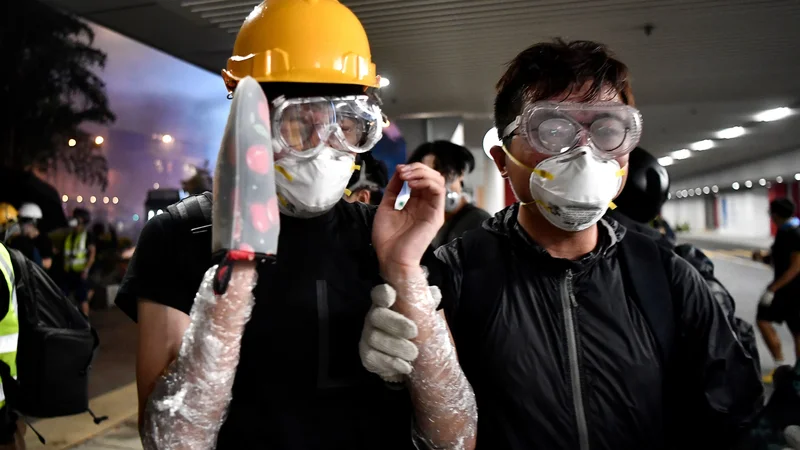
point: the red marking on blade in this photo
(258, 159)
(259, 217)
(263, 113)
(273, 214)
(241, 255)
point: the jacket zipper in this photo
(568, 302)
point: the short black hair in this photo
(782, 207)
(375, 171)
(451, 160)
(548, 69)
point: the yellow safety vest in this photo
(75, 254)
(9, 326)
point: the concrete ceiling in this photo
(707, 65)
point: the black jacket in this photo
(560, 356)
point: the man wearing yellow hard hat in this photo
(297, 378)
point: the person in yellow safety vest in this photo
(79, 255)
(11, 429)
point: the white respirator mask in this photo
(574, 189)
(309, 187)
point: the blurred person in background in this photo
(35, 245)
(9, 218)
(80, 251)
(368, 181)
(781, 299)
(454, 162)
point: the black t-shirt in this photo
(45, 245)
(787, 241)
(300, 382)
(467, 218)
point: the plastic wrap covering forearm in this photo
(189, 403)
(446, 414)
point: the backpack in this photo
(55, 349)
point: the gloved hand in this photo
(792, 436)
(767, 297)
(385, 347)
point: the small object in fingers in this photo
(402, 197)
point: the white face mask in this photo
(573, 190)
(72, 222)
(310, 187)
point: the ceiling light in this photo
(666, 161)
(166, 139)
(684, 192)
(92, 199)
(156, 186)
(65, 198)
(748, 184)
(490, 140)
(99, 140)
(383, 82)
(702, 145)
(79, 199)
(678, 194)
(706, 190)
(698, 191)
(72, 142)
(731, 133)
(691, 192)
(681, 154)
(779, 179)
(115, 200)
(106, 200)
(773, 114)
(735, 186)
(762, 182)
(715, 188)
(797, 176)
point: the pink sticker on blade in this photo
(260, 217)
(259, 159)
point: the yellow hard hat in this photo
(8, 214)
(301, 41)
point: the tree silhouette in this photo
(49, 89)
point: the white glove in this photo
(766, 298)
(385, 347)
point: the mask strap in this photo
(284, 172)
(542, 173)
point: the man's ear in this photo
(499, 157)
(363, 196)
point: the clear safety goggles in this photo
(551, 128)
(303, 126)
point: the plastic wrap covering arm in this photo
(189, 403)
(444, 403)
